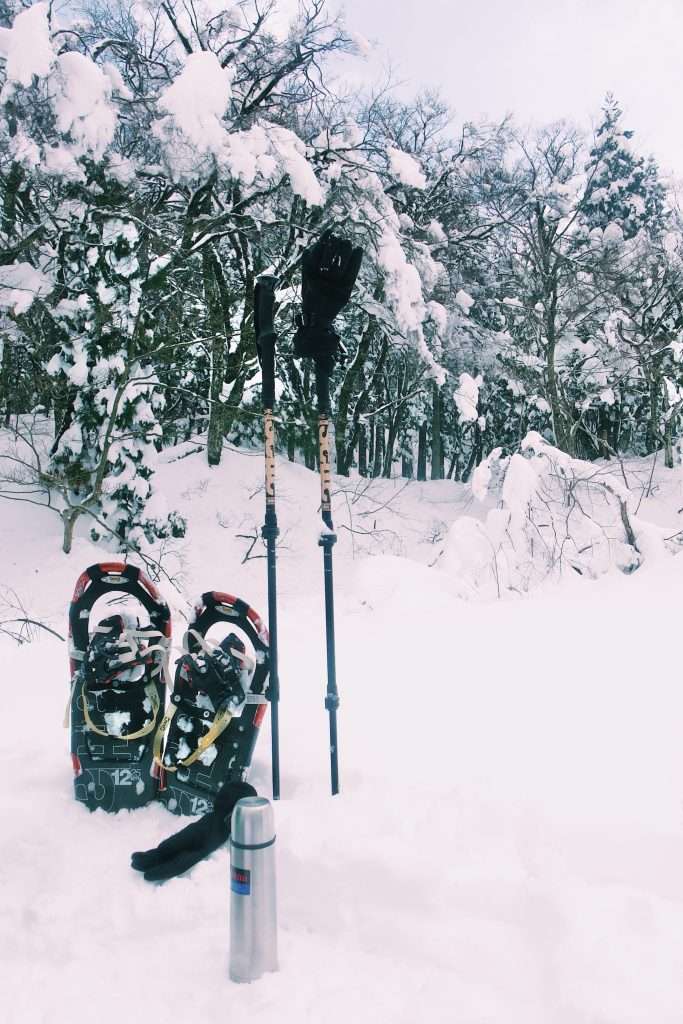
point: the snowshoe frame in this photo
(192, 790)
(113, 772)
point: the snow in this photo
(291, 153)
(362, 46)
(507, 843)
(612, 235)
(27, 47)
(436, 232)
(464, 300)
(20, 285)
(406, 168)
(117, 83)
(466, 397)
(195, 104)
(194, 133)
(116, 721)
(80, 94)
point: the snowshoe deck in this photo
(118, 689)
(210, 730)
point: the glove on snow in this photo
(182, 851)
(329, 269)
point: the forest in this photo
(157, 158)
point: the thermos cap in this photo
(253, 823)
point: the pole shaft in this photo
(327, 541)
(270, 532)
(332, 696)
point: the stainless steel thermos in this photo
(253, 912)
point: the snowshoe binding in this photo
(209, 732)
(118, 689)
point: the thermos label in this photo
(240, 880)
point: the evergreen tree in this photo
(624, 195)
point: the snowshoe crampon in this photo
(118, 688)
(208, 734)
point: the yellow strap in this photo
(159, 737)
(153, 695)
(220, 724)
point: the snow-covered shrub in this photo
(550, 513)
(103, 460)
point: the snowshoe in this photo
(118, 689)
(209, 732)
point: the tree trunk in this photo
(561, 427)
(437, 449)
(347, 419)
(406, 466)
(475, 454)
(362, 452)
(346, 432)
(454, 468)
(668, 445)
(5, 378)
(389, 453)
(422, 452)
(379, 448)
(653, 419)
(309, 452)
(69, 518)
(214, 444)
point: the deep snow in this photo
(507, 845)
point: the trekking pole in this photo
(264, 300)
(329, 271)
(327, 540)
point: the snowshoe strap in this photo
(159, 737)
(67, 709)
(209, 647)
(220, 724)
(160, 668)
(129, 636)
(153, 695)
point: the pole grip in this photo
(325, 467)
(269, 449)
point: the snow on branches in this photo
(548, 513)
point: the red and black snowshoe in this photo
(118, 688)
(209, 732)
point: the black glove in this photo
(264, 302)
(182, 851)
(329, 269)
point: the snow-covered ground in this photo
(507, 846)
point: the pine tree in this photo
(624, 194)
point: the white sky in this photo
(539, 59)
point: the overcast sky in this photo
(540, 59)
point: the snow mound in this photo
(553, 513)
